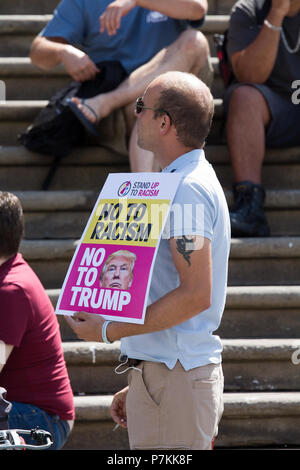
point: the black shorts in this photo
(284, 128)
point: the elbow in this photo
(206, 304)
(201, 302)
(39, 56)
(199, 10)
(249, 75)
(33, 54)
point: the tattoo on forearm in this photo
(185, 246)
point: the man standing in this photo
(264, 49)
(146, 37)
(174, 397)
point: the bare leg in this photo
(248, 116)
(189, 53)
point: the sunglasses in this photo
(140, 106)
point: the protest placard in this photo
(111, 269)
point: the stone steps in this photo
(91, 165)
(63, 214)
(257, 261)
(261, 324)
(251, 312)
(42, 7)
(17, 115)
(248, 365)
(255, 419)
(24, 81)
(261, 312)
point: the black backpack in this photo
(55, 130)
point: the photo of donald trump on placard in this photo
(117, 271)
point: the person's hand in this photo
(78, 64)
(87, 326)
(110, 20)
(281, 6)
(118, 407)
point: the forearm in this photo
(47, 54)
(173, 309)
(255, 63)
(179, 9)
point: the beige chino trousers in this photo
(174, 409)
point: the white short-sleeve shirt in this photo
(200, 208)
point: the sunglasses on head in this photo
(140, 106)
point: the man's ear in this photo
(165, 124)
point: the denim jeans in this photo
(25, 416)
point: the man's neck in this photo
(166, 158)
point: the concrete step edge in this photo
(234, 350)
(22, 66)
(11, 155)
(260, 297)
(26, 110)
(49, 201)
(276, 199)
(246, 297)
(219, 154)
(33, 24)
(273, 247)
(17, 155)
(236, 405)
(19, 67)
(40, 201)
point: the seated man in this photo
(264, 47)
(145, 42)
(32, 365)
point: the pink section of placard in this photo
(83, 292)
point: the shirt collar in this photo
(193, 156)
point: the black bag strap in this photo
(111, 75)
(50, 175)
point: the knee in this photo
(194, 43)
(245, 97)
(246, 101)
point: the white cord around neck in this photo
(287, 46)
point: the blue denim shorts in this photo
(283, 130)
(26, 416)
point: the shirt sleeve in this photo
(243, 29)
(15, 314)
(194, 216)
(67, 22)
